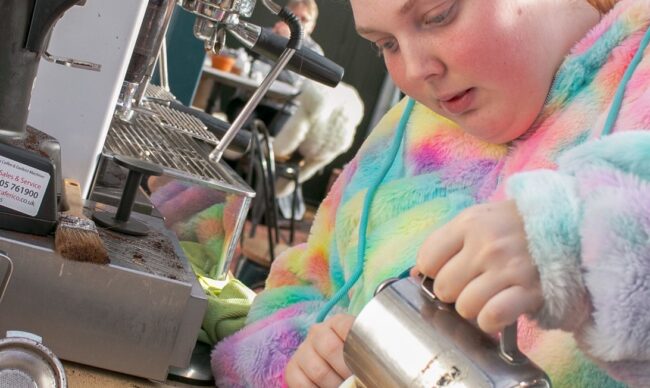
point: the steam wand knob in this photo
(120, 222)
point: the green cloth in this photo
(228, 304)
(228, 300)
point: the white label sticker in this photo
(22, 187)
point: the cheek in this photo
(495, 49)
(489, 60)
(396, 69)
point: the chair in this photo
(322, 128)
(261, 175)
(289, 169)
(256, 255)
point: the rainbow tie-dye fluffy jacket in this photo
(585, 202)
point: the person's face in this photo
(485, 64)
(302, 13)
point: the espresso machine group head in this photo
(213, 16)
(216, 17)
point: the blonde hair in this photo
(311, 6)
(603, 6)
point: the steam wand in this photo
(295, 42)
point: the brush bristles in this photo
(78, 239)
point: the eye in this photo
(437, 19)
(385, 45)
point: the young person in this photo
(515, 173)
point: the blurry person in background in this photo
(274, 115)
(307, 12)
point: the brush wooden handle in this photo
(72, 193)
(76, 236)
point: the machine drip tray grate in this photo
(182, 122)
(147, 140)
(159, 93)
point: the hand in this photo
(480, 261)
(318, 362)
(282, 29)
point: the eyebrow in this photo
(402, 11)
(407, 7)
(362, 31)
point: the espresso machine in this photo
(30, 169)
(140, 314)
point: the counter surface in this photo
(82, 376)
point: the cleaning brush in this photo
(76, 236)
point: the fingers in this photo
(506, 306)
(479, 291)
(332, 351)
(318, 361)
(319, 368)
(453, 277)
(308, 369)
(294, 376)
(341, 324)
(438, 248)
(481, 261)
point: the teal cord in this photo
(620, 91)
(363, 223)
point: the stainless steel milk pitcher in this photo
(406, 337)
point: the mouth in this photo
(458, 103)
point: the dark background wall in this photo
(185, 56)
(334, 32)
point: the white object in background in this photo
(76, 106)
(243, 62)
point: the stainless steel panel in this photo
(111, 316)
(187, 333)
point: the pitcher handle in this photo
(508, 347)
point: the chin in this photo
(486, 135)
(491, 131)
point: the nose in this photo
(421, 60)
